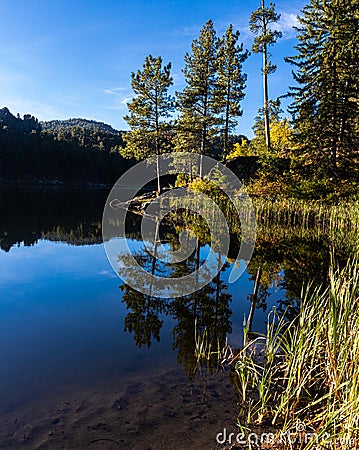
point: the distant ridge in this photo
(27, 124)
(59, 151)
(93, 125)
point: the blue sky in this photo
(62, 59)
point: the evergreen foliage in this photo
(326, 103)
(59, 125)
(209, 106)
(230, 84)
(319, 146)
(149, 111)
(59, 151)
(196, 104)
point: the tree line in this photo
(77, 150)
(323, 133)
(321, 139)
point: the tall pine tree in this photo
(326, 102)
(230, 84)
(197, 122)
(149, 111)
(260, 24)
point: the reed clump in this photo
(307, 213)
(306, 371)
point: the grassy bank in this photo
(330, 214)
(308, 213)
(298, 384)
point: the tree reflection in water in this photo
(283, 262)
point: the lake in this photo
(87, 362)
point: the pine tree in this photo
(326, 103)
(197, 122)
(149, 111)
(230, 84)
(260, 24)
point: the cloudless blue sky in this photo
(73, 58)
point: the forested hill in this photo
(74, 150)
(11, 123)
(56, 125)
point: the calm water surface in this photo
(89, 363)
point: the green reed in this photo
(307, 370)
(308, 213)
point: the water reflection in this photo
(284, 260)
(68, 332)
(27, 215)
(290, 257)
(206, 311)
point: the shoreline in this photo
(53, 183)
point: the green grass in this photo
(307, 371)
(308, 213)
(288, 211)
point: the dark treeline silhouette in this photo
(68, 151)
(66, 215)
(28, 215)
(76, 150)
